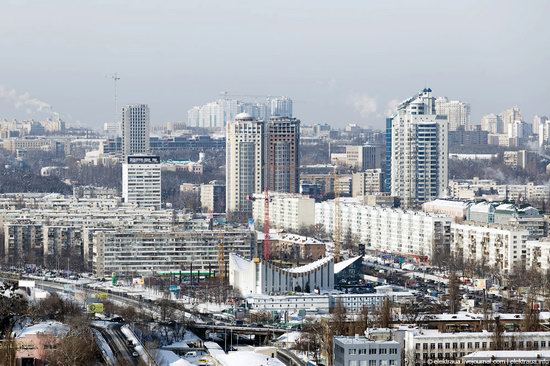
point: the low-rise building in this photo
(455, 209)
(424, 344)
(354, 303)
(33, 343)
(293, 247)
(364, 351)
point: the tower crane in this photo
(336, 232)
(267, 244)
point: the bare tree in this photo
(339, 319)
(8, 350)
(311, 340)
(454, 293)
(531, 321)
(77, 348)
(498, 342)
(384, 314)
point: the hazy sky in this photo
(341, 61)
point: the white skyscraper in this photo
(457, 112)
(537, 122)
(491, 123)
(281, 106)
(244, 162)
(135, 129)
(193, 117)
(141, 180)
(508, 117)
(419, 151)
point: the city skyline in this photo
(358, 88)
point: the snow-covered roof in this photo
(483, 207)
(340, 266)
(290, 337)
(501, 355)
(310, 266)
(51, 328)
(164, 357)
(248, 358)
(447, 203)
(240, 263)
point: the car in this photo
(135, 354)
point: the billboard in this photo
(26, 283)
(95, 308)
(101, 295)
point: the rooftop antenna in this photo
(116, 79)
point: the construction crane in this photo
(226, 94)
(116, 79)
(337, 230)
(221, 248)
(267, 244)
(221, 259)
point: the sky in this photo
(344, 61)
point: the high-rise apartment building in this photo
(260, 155)
(135, 129)
(492, 123)
(537, 122)
(244, 162)
(457, 112)
(508, 118)
(419, 151)
(281, 106)
(141, 180)
(282, 155)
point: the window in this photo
(483, 345)
(383, 351)
(372, 351)
(352, 363)
(447, 345)
(393, 351)
(372, 362)
(352, 351)
(440, 346)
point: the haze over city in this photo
(274, 183)
(341, 62)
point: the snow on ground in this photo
(290, 337)
(169, 358)
(248, 358)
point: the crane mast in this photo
(337, 230)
